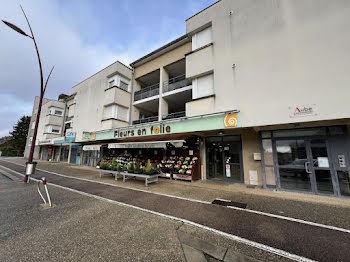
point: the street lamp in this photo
(30, 165)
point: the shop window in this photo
(267, 151)
(203, 86)
(202, 38)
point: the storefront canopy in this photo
(149, 144)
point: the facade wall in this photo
(286, 54)
(91, 96)
(163, 60)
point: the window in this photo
(116, 112)
(203, 86)
(58, 112)
(202, 38)
(53, 129)
(124, 85)
(111, 83)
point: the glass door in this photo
(304, 165)
(224, 161)
(320, 166)
(292, 160)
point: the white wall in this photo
(89, 98)
(287, 54)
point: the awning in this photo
(91, 147)
(149, 144)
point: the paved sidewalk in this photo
(296, 205)
(81, 228)
(304, 240)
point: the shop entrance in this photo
(311, 160)
(304, 164)
(224, 158)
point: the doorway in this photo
(304, 165)
(314, 160)
(224, 158)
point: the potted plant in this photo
(103, 164)
(131, 167)
(138, 169)
(148, 168)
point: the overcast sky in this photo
(79, 37)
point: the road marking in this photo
(203, 202)
(254, 244)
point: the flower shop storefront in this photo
(174, 148)
(175, 159)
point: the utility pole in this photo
(30, 165)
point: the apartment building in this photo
(99, 103)
(255, 90)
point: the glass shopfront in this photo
(313, 160)
(224, 158)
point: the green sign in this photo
(184, 125)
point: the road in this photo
(304, 240)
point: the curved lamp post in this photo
(30, 165)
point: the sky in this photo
(78, 37)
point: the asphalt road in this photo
(301, 239)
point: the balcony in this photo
(146, 92)
(145, 120)
(174, 115)
(175, 83)
(69, 118)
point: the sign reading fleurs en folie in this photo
(175, 126)
(156, 129)
(303, 110)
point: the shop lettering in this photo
(153, 130)
(303, 110)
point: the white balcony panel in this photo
(199, 62)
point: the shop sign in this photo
(231, 120)
(174, 126)
(45, 142)
(70, 137)
(91, 147)
(303, 110)
(58, 140)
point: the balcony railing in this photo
(149, 91)
(174, 115)
(175, 83)
(145, 120)
(68, 118)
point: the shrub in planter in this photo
(131, 167)
(138, 169)
(148, 168)
(113, 165)
(103, 164)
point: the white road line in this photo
(254, 244)
(204, 202)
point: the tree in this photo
(19, 135)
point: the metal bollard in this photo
(43, 180)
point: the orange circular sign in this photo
(156, 130)
(231, 120)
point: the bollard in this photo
(43, 180)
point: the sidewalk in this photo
(319, 209)
(268, 232)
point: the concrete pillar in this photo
(203, 158)
(163, 104)
(251, 167)
(69, 153)
(135, 112)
